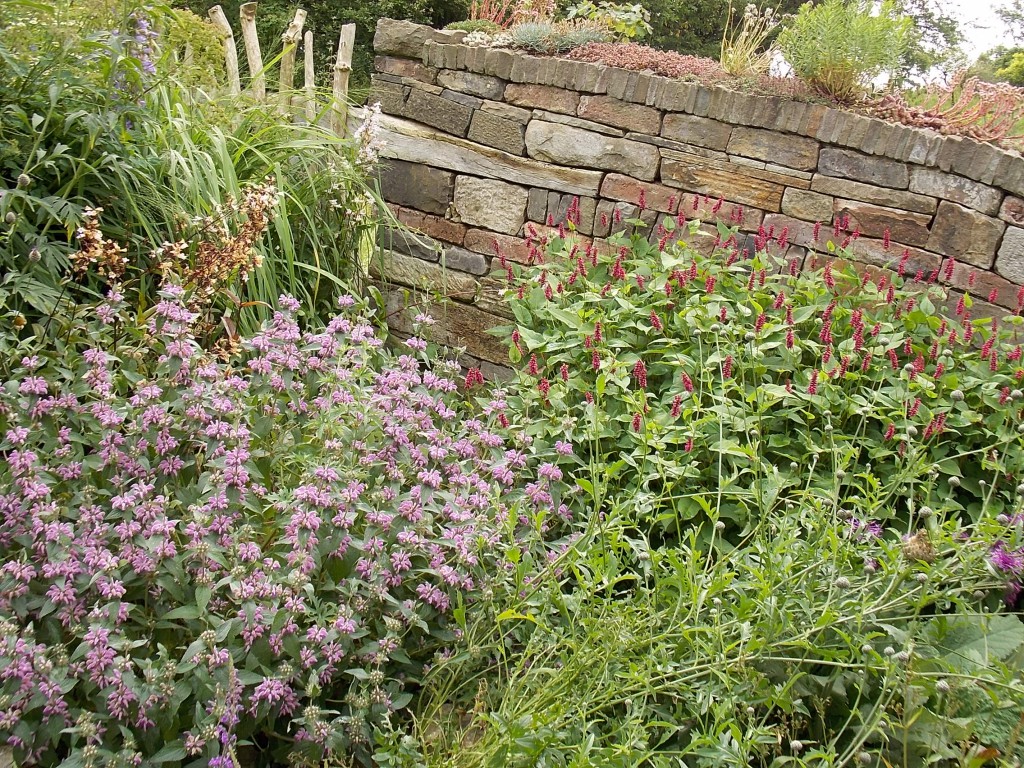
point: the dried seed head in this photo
(919, 547)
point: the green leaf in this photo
(172, 752)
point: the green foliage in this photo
(626, 22)
(676, 372)
(804, 645)
(840, 46)
(478, 25)
(197, 48)
(801, 508)
(1012, 71)
(89, 120)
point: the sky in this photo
(980, 25)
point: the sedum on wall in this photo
(484, 146)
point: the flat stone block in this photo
(782, 149)
(656, 196)
(413, 185)
(973, 194)
(506, 135)
(855, 190)
(444, 114)
(565, 145)
(879, 171)
(965, 234)
(620, 114)
(700, 131)
(483, 86)
(809, 206)
(1010, 260)
(463, 260)
(874, 220)
(490, 204)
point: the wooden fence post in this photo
(307, 52)
(247, 13)
(342, 69)
(290, 38)
(220, 21)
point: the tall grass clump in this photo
(101, 119)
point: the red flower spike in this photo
(564, 372)
(677, 406)
(885, 239)
(727, 368)
(595, 360)
(532, 368)
(687, 382)
(637, 421)
(640, 374)
(597, 333)
(890, 431)
(812, 387)
(993, 295)
(589, 397)
(655, 321)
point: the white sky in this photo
(982, 28)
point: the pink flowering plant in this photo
(708, 375)
(203, 562)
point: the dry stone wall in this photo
(482, 145)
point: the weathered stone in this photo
(621, 114)
(874, 220)
(464, 99)
(444, 114)
(391, 96)
(566, 145)
(498, 63)
(981, 282)
(417, 186)
(475, 85)
(389, 65)
(855, 190)
(871, 251)
(717, 209)
(576, 122)
(1010, 261)
(542, 97)
(494, 131)
(414, 143)
(780, 148)
(711, 177)
(416, 273)
(507, 111)
(462, 260)
(537, 205)
(434, 226)
(1012, 210)
(880, 171)
(965, 234)
(408, 243)
(455, 325)
(401, 38)
(490, 204)
(496, 244)
(701, 131)
(980, 197)
(656, 196)
(809, 206)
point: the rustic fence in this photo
(288, 97)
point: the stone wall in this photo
(482, 144)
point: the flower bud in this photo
(11, 217)
(34, 255)
(24, 180)
(957, 395)
(954, 482)
(942, 686)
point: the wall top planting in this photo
(487, 145)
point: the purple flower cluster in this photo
(245, 540)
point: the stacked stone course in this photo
(482, 144)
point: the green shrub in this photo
(840, 46)
(625, 22)
(690, 378)
(100, 121)
(478, 25)
(556, 37)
